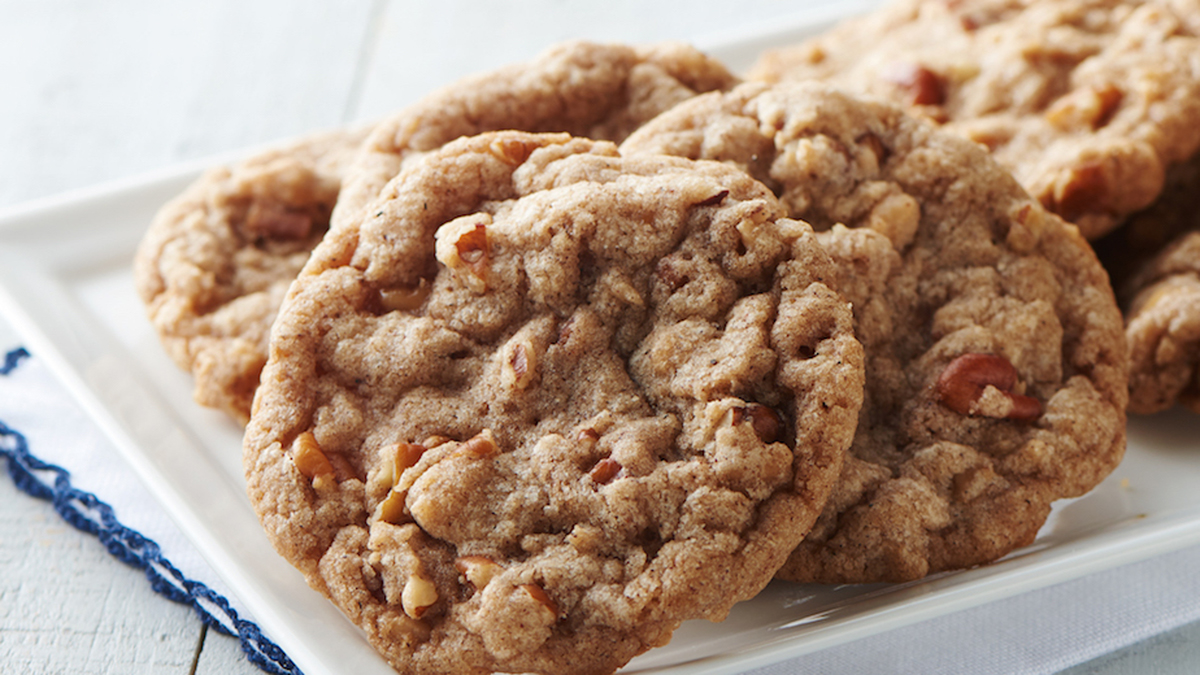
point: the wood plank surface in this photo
(66, 606)
(99, 90)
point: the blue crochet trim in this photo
(11, 360)
(86, 512)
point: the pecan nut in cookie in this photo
(623, 401)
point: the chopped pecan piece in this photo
(463, 247)
(405, 299)
(921, 85)
(419, 595)
(538, 593)
(477, 570)
(512, 151)
(964, 382)
(715, 199)
(308, 457)
(481, 444)
(407, 455)
(605, 470)
(392, 509)
(1087, 108)
(766, 421)
(520, 366)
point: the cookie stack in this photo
(573, 351)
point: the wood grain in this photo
(66, 606)
(97, 91)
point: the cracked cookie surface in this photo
(546, 402)
(1087, 102)
(996, 362)
(216, 261)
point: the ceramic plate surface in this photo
(66, 285)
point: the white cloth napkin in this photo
(40, 414)
(1043, 631)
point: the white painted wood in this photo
(97, 90)
(67, 606)
(222, 655)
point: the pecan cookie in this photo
(547, 402)
(600, 91)
(1087, 102)
(1163, 329)
(1154, 262)
(996, 364)
(216, 261)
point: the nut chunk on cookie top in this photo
(546, 402)
(996, 361)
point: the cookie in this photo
(1154, 262)
(1163, 329)
(212, 287)
(600, 91)
(1127, 250)
(548, 402)
(996, 363)
(216, 261)
(1087, 102)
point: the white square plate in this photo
(66, 284)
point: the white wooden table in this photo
(94, 91)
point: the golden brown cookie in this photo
(1087, 102)
(996, 362)
(547, 402)
(1154, 262)
(1163, 329)
(216, 261)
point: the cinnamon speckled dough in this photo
(1087, 102)
(942, 255)
(216, 261)
(601, 91)
(549, 402)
